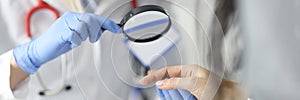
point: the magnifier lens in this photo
(146, 25)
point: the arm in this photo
(17, 75)
(63, 35)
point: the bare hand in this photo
(189, 77)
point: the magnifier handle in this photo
(103, 29)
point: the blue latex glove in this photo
(176, 94)
(64, 34)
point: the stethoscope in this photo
(47, 91)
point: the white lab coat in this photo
(5, 71)
(90, 81)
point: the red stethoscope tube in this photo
(134, 4)
(41, 5)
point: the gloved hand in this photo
(176, 94)
(64, 34)
(192, 78)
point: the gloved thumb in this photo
(109, 25)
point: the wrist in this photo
(17, 75)
(230, 90)
(13, 63)
(21, 55)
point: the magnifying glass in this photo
(145, 23)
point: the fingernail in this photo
(159, 83)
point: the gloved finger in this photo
(186, 95)
(93, 26)
(82, 31)
(76, 28)
(75, 35)
(175, 95)
(166, 95)
(75, 40)
(94, 31)
(160, 93)
(161, 74)
(191, 84)
(72, 20)
(109, 24)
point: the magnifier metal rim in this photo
(142, 9)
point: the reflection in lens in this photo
(146, 25)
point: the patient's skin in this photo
(192, 78)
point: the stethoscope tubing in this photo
(46, 91)
(41, 5)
